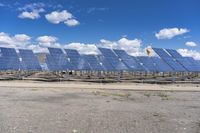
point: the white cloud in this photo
(31, 15)
(13, 41)
(48, 41)
(71, 22)
(5, 39)
(191, 44)
(31, 11)
(22, 37)
(189, 53)
(133, 47)
(24, 41)
(57, 17)
(169, 33)
(83, 48)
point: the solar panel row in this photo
(109, 60)
(176, 61)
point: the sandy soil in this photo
(74, 107)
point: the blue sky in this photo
(109, 19)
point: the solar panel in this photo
(94, 63)
(183, 61)
(129, 61)
(194, 63)
(51, 64)
(29, 60)
(169, 60)
(160, 65)
(113, 59)
(148, 63)
(9, 59)
(174, 53)
(106, 65)
(77, 61)
(58, 56)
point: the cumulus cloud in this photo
(133, 47)
(48, 41)
(190, 53)
(41, 43)
(31, 11)
(5, 39)
(24, 41)
(13, 41)
(83, 48)
(71, 22)
(191, 44)
(22, 37)
(57, 17)
(169, 33)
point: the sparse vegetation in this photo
(163, 95)
(147, 94)
(124, 95)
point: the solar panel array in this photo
(76, 60)
(57, 59)
(112, 58)
(169, 60)
(185, 62)
(9, 59)
(129, 61)
(29, 60)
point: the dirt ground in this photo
(73, 107)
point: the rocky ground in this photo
(77, 108)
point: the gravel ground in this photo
(60, 110)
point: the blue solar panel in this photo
(94, 63)
(9, 59)
(129, 61)
(29, 60)
(195, 64)
(60, 59)
(174, 53)
(113, 59)
(78, 62)
(160, 65)
(106, 65)
(51, 64)
(148, 63)
(110, 60)
(183, 61)
(169, 60)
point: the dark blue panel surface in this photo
(106, 65)
(195, 64)
(94, 63)
(148, 63)
(174, 53)
(113, 59)
(9, 59)
(51, 64)
(183, 61)
(129, 61)
(169, 60)
(160, 65)
(77, 61)
(60, 59)
(29, 60)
